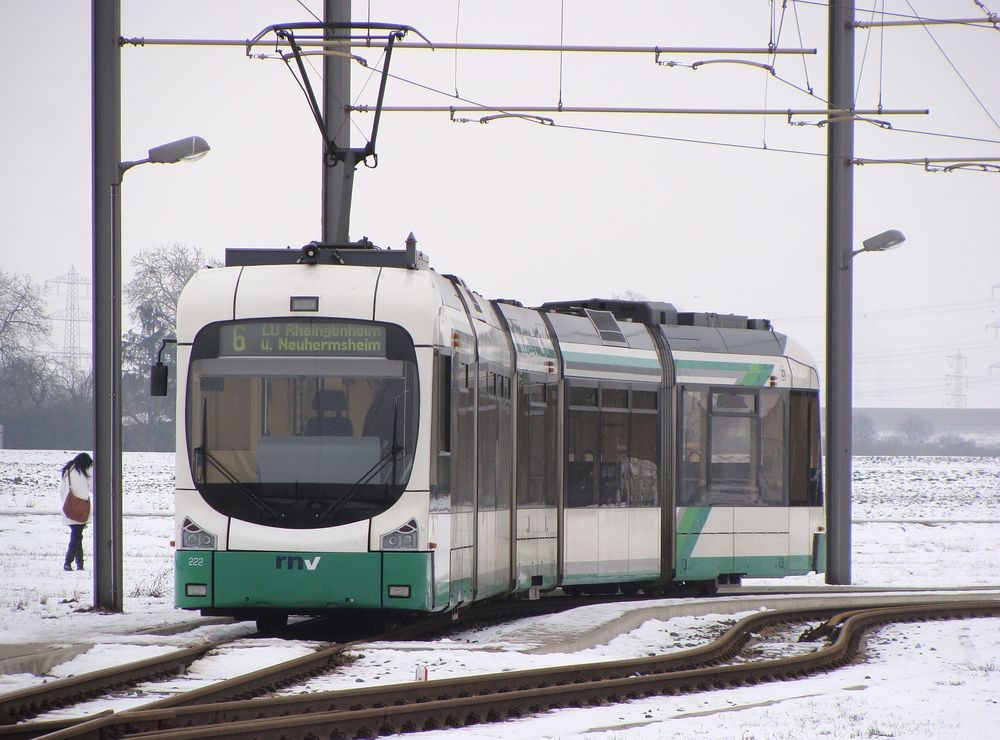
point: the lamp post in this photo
(880, 242)
(839, 403)
(108, 379)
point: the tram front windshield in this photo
(302, 423)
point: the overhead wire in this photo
(315, 71)
(891, 356)
(990, 15)
(805, 67)
(939, 134)
(774, 38)
(861, 70)
(309, 10)
(881, 58)
(657, 137)
(458, 17)
(319, 75)
(955, 69)
(595, 129)
(908, 17)
(776, 29)
(562, 25)
(929, 309)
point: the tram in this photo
(356, 431)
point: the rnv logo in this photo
(295, 562)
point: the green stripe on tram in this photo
(689, 528)
(745, 373)
(612, 360)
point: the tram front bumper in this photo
(303, 581)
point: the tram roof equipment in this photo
(362, 252)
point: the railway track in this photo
(374, 710)
(30, 702)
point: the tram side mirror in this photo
(158, 375)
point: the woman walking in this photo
(75, 492)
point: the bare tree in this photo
(916, 432)
(24, 325)
(864, 434)
(160, 275)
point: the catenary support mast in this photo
(839, 298)
(107, 494)
(338, 179)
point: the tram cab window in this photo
(302, 422)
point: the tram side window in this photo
(773, 464)
(614, 447)
(694, 448)
(505, 429)
(444, 403)
(463, 401)
(733, 447)
(530, 448)
(581, 488)
(504, 441)
(805, 480)
(537, 445)
(487, 440)
(442, 423)
(548, 437)
(644, 444)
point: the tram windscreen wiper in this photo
(202, 455)
(364, 480)
(268, 511)
(374, 470)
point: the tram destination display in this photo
(311, 338)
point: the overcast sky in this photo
(712, 213)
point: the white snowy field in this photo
(919, 522)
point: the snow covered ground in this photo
(919, 522)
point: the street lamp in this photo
(879, 243)
(839, 425)
(189, 149)
(108, 376)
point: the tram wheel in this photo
(707, 588)
(272, 623)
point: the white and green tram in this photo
(356, 431)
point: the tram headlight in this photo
(194, 537)
(406, 537)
